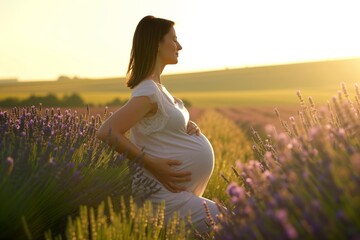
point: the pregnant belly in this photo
(195, 153)
(197, 156)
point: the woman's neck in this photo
(156, 74)
(155, 77)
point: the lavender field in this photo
(298, 180)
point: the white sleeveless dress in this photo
(164, 135)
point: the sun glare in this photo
(94, 39)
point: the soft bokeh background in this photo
(42, 39)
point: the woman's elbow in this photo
(104, 133)
(101, 133)
(98, 134)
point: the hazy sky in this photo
(42, 39)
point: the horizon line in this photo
(15, 79)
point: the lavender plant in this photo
(305, 183)
(50, 164)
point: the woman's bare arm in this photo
(120, 122)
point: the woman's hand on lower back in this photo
(164, 172)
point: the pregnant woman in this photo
(175, 153)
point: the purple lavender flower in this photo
(235, 192)
(282, 216)
(70, 165)
(77, 176)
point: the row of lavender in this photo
(50, 164)
(305, 183)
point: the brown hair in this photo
(148, 34)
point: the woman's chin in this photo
(172, 61)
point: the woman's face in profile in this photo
(169, 48)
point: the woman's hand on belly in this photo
(192, 128)
(163, 171)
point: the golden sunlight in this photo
(93, 39)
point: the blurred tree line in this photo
(51, 100)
